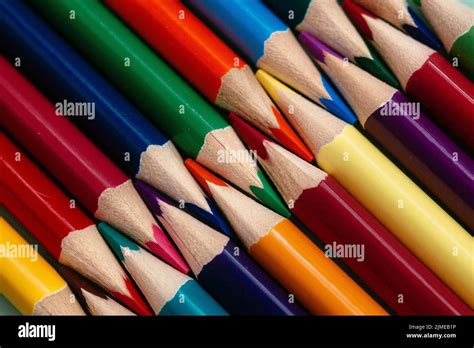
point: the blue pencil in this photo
(112, 122)
(219, 264)
(267, 42)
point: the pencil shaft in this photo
(429, 232)
(447, 95)
(304, 270)
(440, 165)
(54, 140)
(341, 221)
(259, 295)
(29, 281)
(137, 71)
(39, 202)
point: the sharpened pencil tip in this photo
(317, 49)
(357, 14)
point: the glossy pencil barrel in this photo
(447, 95)
(440, 164)
(258, 294)
(385, 266)
(304, 270)
(28, 281)
(429, 232)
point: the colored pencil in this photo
(117, 127)
(424, 74)
(454, 24)
(216, 71)
(406, 133)
(61, 227)
(399, 14)
(193, 125)
(219, 264)
(92, 297)
(401, 206)
(287, 254)
(168, 291)
(28, 281)
(269, 44)
(78, 164)
(333, 214)
(326, 20)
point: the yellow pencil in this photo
(413, 217)
(29, 282)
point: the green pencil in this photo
(193, 125)
(453, 22)
(326, 20)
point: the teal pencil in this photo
(168, 291)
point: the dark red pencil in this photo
(351, 232)
(425, 75)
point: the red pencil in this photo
(340, 221)
(63, 229)
(208, 64)
(424, 74)
(78, 164)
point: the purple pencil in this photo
(220, 266)
(440, 165)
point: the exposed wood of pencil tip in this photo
(364, 92)
(180, 185)
(86, 252)
(290, 173)
(225, 143)
(316, 126)
(198, 242)
(61, 302)
(449, 19)
(402, 53)
(327, 21)
(158, 281)
(286, 59)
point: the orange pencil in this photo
(287, 254)
(208, 64)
